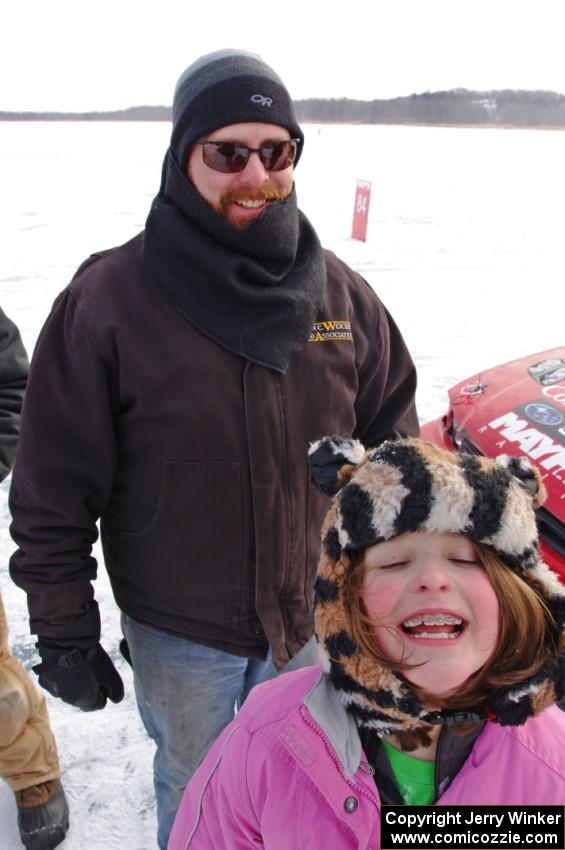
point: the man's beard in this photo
(269, 192)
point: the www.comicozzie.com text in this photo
(506, 827)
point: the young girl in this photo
(442, 636)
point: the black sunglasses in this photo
(231, 157)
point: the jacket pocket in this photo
(187, 562)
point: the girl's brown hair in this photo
(527, 639)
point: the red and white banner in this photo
(361, 210)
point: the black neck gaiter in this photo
(254, 291)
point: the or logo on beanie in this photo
(260, 98)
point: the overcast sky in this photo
(80, 55)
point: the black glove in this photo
(85, 678)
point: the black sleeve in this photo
(64, 470)
(385, 403)
(14, 369)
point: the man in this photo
(174, 392)
(28, 753)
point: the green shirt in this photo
(415, 778)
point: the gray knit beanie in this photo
(228, 87)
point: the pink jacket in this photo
(289, 774)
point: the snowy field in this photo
(464, 246)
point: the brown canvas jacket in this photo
(193, 458)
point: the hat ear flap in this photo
(528, 475)
(333, 461)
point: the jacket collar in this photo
(327, 710)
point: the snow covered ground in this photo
(465, 247)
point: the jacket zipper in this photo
(331, 752)
(285, 487)
(436, 768)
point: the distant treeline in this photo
(457, 106)
(133, 113)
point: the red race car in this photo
(516, 409)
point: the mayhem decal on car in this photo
(548, 451)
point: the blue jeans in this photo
(186, 694)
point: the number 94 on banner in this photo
(361, 210)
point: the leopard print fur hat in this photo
(411, 485)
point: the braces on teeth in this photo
(434, 620)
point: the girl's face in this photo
(431, 604)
